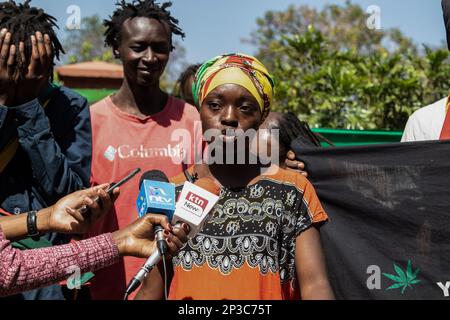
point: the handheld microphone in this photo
(194, 205)
(156, 195)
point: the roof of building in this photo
(94, 69)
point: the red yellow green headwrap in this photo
(239, 69)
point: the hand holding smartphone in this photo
(114, 186)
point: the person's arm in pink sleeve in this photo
(31, 269)
(25, 270)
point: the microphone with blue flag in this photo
(156, 195)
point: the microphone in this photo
(195, 203)
(156, 195)
(193, 207)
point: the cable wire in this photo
(165, 278)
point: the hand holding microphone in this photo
(156, 195)
(138, 239)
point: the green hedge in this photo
(94, 95)
(359, 137)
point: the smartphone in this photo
(113, 186)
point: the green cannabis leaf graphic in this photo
(403, 280)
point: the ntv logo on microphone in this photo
(159, 195)
(195, 204)
(156, 197)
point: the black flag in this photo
(446, 9)
(389, 207)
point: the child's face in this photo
(144, 50)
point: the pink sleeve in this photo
(30, 269)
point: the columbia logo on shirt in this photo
(110, 153)
(127, 152)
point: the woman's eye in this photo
(214, 106)
(246, 108)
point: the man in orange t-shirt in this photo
(140, 126)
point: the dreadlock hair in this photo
(138, 8)
(291, 129)
(22, 21)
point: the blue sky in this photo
(217, 26)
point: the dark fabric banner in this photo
(446, 10)
(389, 207)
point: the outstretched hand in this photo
(66, 215)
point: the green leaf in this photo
(403, 280)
